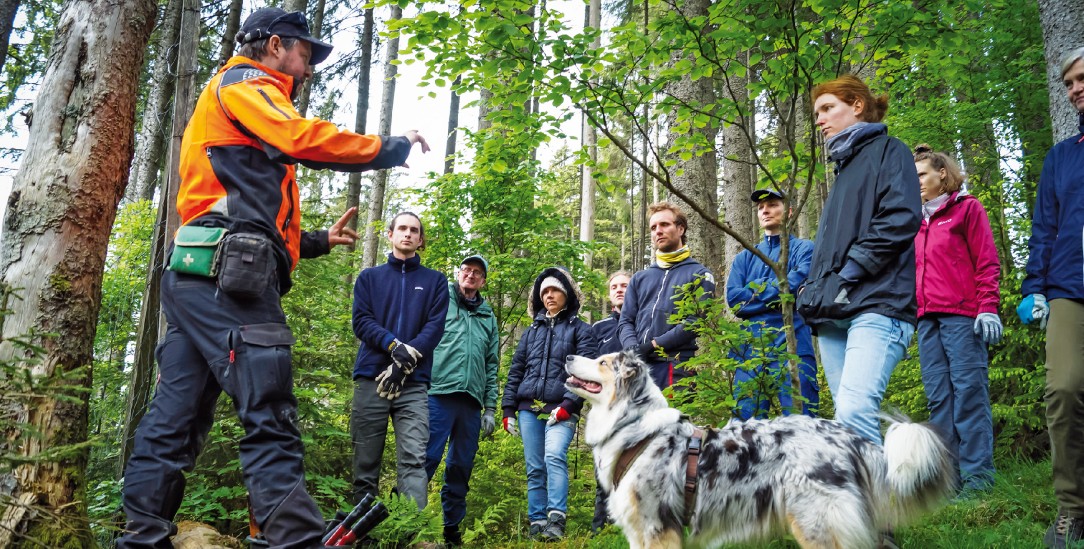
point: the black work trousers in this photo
(217, 343)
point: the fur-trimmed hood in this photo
(571, 288)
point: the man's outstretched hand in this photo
(414, 137)
(339, 234)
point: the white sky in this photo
(413, 110)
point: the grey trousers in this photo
(1065, 403)
(369, 430)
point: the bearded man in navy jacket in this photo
(399, 310)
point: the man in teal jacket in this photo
(464, 383)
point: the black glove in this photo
(405, 356)
(646, 351)
(389, 383)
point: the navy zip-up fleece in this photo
(398, 300)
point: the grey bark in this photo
(697, 177)
(151, 323)
(151, 144)
(8, 9)
(56, 231)
(1062, 21)
(365, 65)
(738, 177)
(590, 142)
(380, 181)
(453, 129)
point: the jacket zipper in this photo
(658, 296)
(289, 213)
(402, 298)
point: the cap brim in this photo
(320, 50)
(762, 194)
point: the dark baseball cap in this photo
(265, 22)
(479, 260)
(764, 194)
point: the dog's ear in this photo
(627, 364)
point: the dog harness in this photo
(692, 460)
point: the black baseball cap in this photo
(764, 194)
(265, 22)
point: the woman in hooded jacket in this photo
(957, 287)
(536, 399)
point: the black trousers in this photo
(217, 343)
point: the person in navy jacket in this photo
(1054, 295)
(753, 288)
(609, 341)
(399, 312)
(957, 270)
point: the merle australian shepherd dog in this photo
(754, 480)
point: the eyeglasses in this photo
(477, 273)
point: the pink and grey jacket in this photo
(956, 261)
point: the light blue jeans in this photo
(858, 356)
(545, 450)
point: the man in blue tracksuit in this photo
(606, 334)
(753, 288)
(650, 299)
(1054, 295)
(463, 392)
(399, 313)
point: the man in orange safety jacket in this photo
(237, 173)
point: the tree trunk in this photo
(697, 176)
(229, 35)
(8, 9)
(152, 136)
(380, 181)
(365, 65)
(56, 231)
(151, 325)
(453, 129)
(738, 174)
(1062, 21)
(590, 142)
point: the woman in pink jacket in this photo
(957, 278)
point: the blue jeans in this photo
(957, 383)
(545, 450)
(454, 421)
(756, 403)
(858, 356)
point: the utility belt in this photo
(242, 263)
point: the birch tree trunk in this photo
(453, 129)
(365, 65)
(697, 177)
(152, 137)
(1062, 21)
(56, 230)
(380, 180)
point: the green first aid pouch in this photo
(195, 250)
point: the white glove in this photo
(510, 426)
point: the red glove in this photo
(558, 414)
(510, 426)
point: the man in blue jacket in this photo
(463, 392)
(399, 313)
(753, 288)
(605, 332)
(650, 298)
(1054, 290)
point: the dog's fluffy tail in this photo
(920, 473)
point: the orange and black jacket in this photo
(238, 155)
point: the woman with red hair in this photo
(859, 297)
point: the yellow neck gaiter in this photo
(669, 259)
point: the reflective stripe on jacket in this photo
(956, 262)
